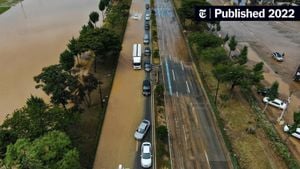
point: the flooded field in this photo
(32, 35)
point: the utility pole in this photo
(281, 122)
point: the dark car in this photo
(147, 6)
(146, 88)
(147, 66)
(147, 51)
(297, 74)
(263, 91)
(147, 26)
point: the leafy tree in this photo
(59, 85)
(214, 55)
(242, 58)
(36, 119)
(74, 48)
(232, 45)
(187, 9)
(272, 94)
(219, 72)
(67, 60)
(51, 151)
(90, 83)
(226, 38)
(205, 40)
(102, 7)
(94, 17)
(103, 42)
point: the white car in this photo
(276, 103)
(142, 130)
(296, 134)
(146, 156)
(278, 57)
(147, 16)
(136, 16)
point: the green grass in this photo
(3, 9)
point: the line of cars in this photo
(144, 126)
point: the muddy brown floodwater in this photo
(32, 35)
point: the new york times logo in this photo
(202, 13)
(247, 13)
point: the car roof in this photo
(146, 82)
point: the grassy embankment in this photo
(6, 4)
(86, 133)
(259, 149)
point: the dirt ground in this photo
(125, 107)
(284, 88)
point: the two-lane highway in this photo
(194, 138)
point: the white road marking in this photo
(207, 158)
(187, 87)
(137, 146)
(181, 66)
(173, 75)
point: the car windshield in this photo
(146, 155)
(136, 64)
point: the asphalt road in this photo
(194, 139)
(147, 106)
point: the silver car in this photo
(142, 129)
(278, 57)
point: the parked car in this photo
(147, 51)
(146, 156)
(146, 88)
(278, 57)
(263, 91)
(147, 16)
(147, 6)
(296, 134)
(276, 103)
(147, 26)
(297, 74)
(142, 129)
(147, 66)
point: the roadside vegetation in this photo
(64, 133)
(229, 81)
(6, 4)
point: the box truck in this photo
(137, 56)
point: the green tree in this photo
(243, 57)
(102, 7)
(59, 85)
(51, 151)
(35, 119)
(205, 40)
(232, 45)
(90, 83)
(74, 48)
(219, 72)
(214, 55)
(94, 17)
(272, 94)
(226, 38)
(66, 60)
